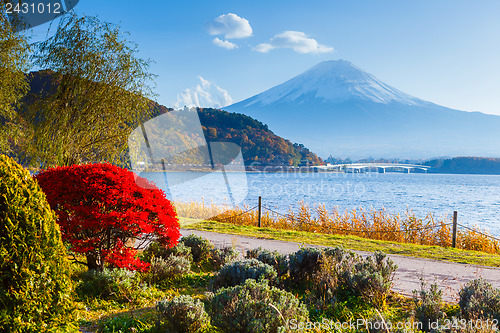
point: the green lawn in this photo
(349, 242)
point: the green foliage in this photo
(428, 305)
(35, 282)
(479, 300)
(13, 62)
(156, 250)
(370, 277)
(120, 285)
(167, 269)
(304, 263)
(238, 272)
(222, 256)
(125, 324)
(98, 94)
(254, 307)
(183, 314)
(200, 247)
(334, 274)
(273, 258)
(322, 293)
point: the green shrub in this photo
(124, 324)
(254, 307)
(120, 285)
(223, 256)
(183, 314)
(238, 272)
(200, 247)
(370, 277)
(479, 300)
(428, 305)
(35, 283)
(156, 250)
(166, 269)
(340, 274)
(274, 258)
(304, 263)
(322, 292)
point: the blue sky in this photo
(447, 51)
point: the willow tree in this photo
(99, 92)
(14, 60)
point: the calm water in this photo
(475, 197)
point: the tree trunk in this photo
(93, 262)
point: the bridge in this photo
(370, 167)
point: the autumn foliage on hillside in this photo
(258, 143)
(105, 215)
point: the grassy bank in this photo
(349, 242)
(369, 224)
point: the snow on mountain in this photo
(337, 109)
(333, 81)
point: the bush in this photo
(223, 256)
(122, 324)
(183, 314)
(370, 277)
(304, 263)
(428, 305)
(255, 307)
(341, 274)
(157, 250)
(238, 272)
(101, 208)
(479, 300)
(273, 258)
(119, 285)
(35, 284)
(324, 286)
(200, 247)
(166, 269)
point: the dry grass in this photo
(373, 224)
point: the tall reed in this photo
(372, 224)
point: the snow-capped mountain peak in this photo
(337, 109)
(333, 81)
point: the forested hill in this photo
(258, 143)
(464, 165)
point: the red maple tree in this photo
(105, 215)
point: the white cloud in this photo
(231, 26)
(206, 94)
(224, 43)
(295, 40)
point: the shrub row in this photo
(479, 303)
(331, 271)
(250, 307)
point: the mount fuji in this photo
(337, 109)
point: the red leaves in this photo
(123, 257)
(100, 206)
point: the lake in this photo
(475, 197)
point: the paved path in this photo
(449, 276)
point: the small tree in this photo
(13, 84)
(104, 214)
(98, 96)
(35, 282)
